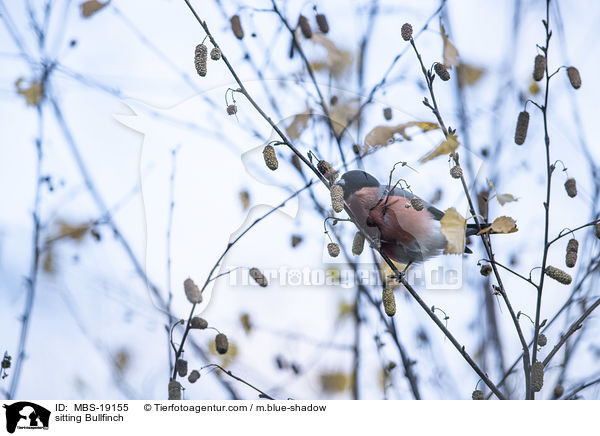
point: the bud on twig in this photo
(406, 31)
(200, 59)
(182, 367)
(477, 395)
(322, 23)
(571, 257)
(337, 197)
(571, 187)
(304, 26)
(258, 277)
(539, 67)
(522, 124)
(417, 204)
(389, 302)
(174, 390)
(231, 109)
(194, 376)
(236, 27)
(270, 157)
(537, 376)
(215, 54)
(333, 249)
(574, 77)
(192, 292)
(358, 244)
(559, 275)
(456, 172)
(198, 323)
(221, 343)
(441, 71)
(542, 340)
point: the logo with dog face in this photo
(26, 415)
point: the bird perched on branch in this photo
(406, 228)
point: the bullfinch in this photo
(404, 233)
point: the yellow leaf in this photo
(90, 7)
(380, 136)
(34, 94)
(468, 74)
(447, 146)
(345, 309)
(505, 198)
(335, 382)
(453, 228)
(504, 224)
(298, 124)
(534, 88)
(450, 53)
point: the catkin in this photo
(174, 390)
(231, 109)
(322, 23)
(270, 157)
(539, 67)
(521, 131)
(200, 59)
(236, 27)
(337, 197)
(215, 53)
(559, 275)
(417, 204)
(441, 71)
(571, 187)
(389, 302)
(574, 77)
(406, 31)
(304, 26)
(537, 376)
(387, 113)
(358, 244)
(181, 366)
(477, 395)
(456, 172)
(258, 277)
(192, 292)
(221, 343)
(198, 323)
(194, 376)
(333, 249)
(571, 256)
(542, 340)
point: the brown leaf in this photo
(342, 113)
(246, 323)
(245, 199)
(453, 228)
(447, 146)
(338, 60)
(89, 8)
(450, 53)
(504, 224)
(298, 124)
(468, 74)
(381, 136)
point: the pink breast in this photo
(400, 223)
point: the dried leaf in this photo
(342, 113)
(468, 74)
(34, 94)
(245, 199)
(380, 136)
(49, 263)
(505, 198)
(453, 228)
(447, 146)
(246, 323)
(298, 124)
(338, 60)
(450, 53)
(75, 232)
(345, 309)
(504, 224)
(387, 275)
(90, 7)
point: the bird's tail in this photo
(473, 229)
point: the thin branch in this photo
(229, 373)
